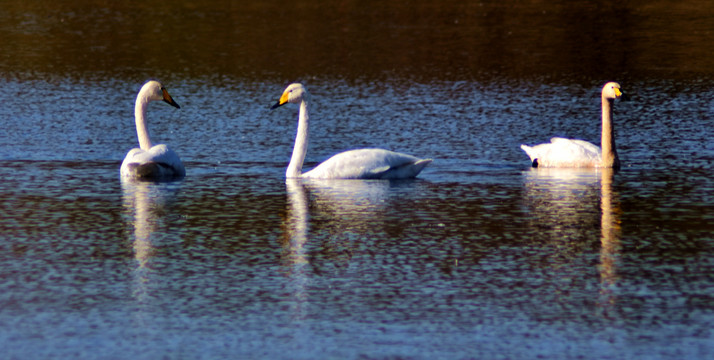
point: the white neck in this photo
(139, 115)
(609, 154)
(300, 148)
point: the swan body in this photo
(352, 164)
(150, 161)
(561, 152)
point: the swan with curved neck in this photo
(562, 152)
(151, 161)
(353, 164)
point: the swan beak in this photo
(622, 96)
(168, 99)
(283, 100)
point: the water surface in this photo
(479, 257)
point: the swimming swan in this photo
(353, 164)
(147, 161)
(562, 152)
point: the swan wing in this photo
(156, 163)
(368, 164)
(561, 152)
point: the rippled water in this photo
(480, 257)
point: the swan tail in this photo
(405, 171)
(421, 164)
(531, 154)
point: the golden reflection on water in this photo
(610, 241)
(562, 201)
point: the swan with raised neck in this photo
(352, 164)
(561, 152)
(150, 161)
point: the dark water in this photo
(480, 257)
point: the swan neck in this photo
(142, 131)
(609, 153)
(301, 140)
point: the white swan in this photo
(353, 164)
(147, 161)
(562, 152)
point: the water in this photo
(480, 257)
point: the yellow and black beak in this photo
(283, 100)
(168, 99)
(623, 96)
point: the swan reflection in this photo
(563, 202)
(144, 204)
(324, 218)
(341, 205)
(294, 241)
(611, 233)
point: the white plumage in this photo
(151, 161)
(353, 164)
(562, 152)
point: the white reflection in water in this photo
(296, 228)
(351, 206)
(349, 213)
(562, 202)
(356, 203)
(144, 202)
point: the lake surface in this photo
(480, 257)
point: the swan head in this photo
(294, 94)
(154, 91)
(611, 91)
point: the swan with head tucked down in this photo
(151, 161)
(562, 152)
(353, 164)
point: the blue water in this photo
(480, 257)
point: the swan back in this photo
(369, 164)
(561, 152)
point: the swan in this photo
(352, 164)
(151, 161)
(562, 152)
